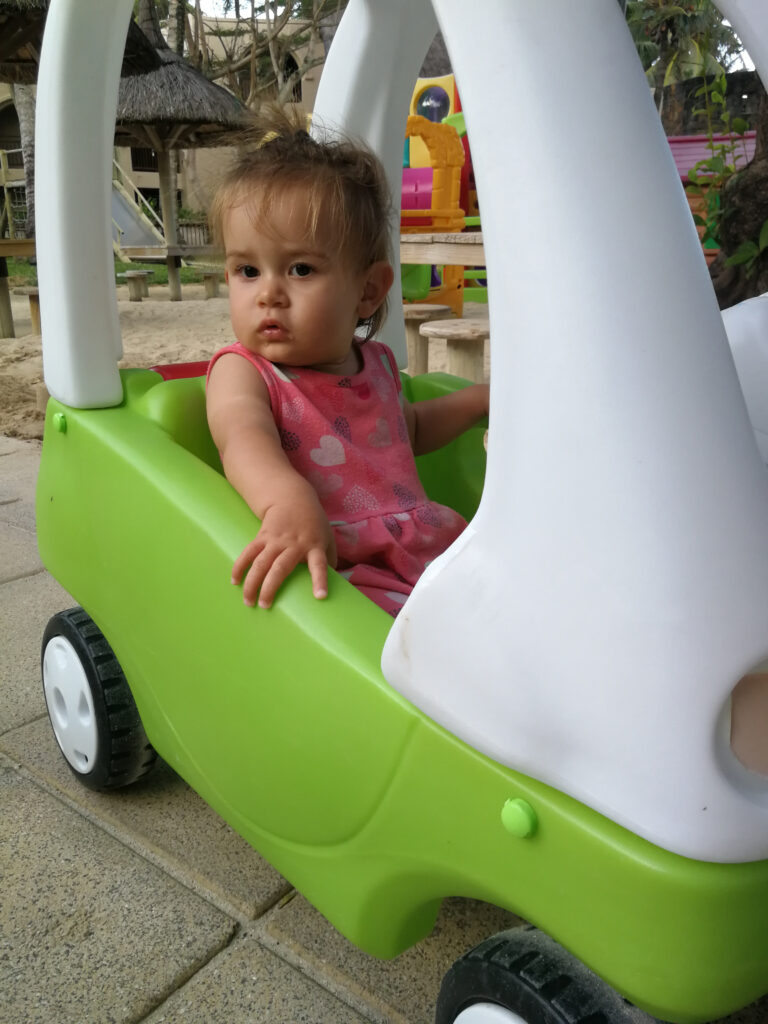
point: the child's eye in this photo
(247, 270)
(301, 270)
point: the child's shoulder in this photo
(379, 353)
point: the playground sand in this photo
(154, 330)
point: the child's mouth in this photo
(273, 330)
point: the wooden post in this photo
(168, 210)
(6, 196)
(6, 315)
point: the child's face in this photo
(292, 299)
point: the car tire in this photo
(522, 976)
(92, 711)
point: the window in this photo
(143, 159)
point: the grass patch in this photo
(23, 274)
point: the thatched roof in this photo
(176, 107)
(21, 35)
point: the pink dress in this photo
(348, 437)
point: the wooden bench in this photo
(138, 284)
(23, 248)
(211, 282)
(416, 314)
(34, 306)
(465, 342)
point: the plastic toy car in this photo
(549, 731)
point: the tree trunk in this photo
(745, 210)
(148, 21)
(168, 211)
(24, 101)
(176, 18)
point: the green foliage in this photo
(749, 252)
(680, 41)
(187, 216)
(709, 177)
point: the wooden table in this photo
(10, 247)
(456, 249)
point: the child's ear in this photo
(378, 281)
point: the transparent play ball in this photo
(434, 103)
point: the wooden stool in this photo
(416, 314)
(465, 342)
(138, 286)
(34, 306)
(211, 282)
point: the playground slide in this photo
(134, 227)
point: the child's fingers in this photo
(246, 558)
(318, 570)
(280, 568)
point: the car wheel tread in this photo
(124, 753)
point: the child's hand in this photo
(290, 533)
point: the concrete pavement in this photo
(143, 905)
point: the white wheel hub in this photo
(70, 704)
(488, 1013)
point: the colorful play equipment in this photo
(546, 725)
(435, 152)
(435, 188)
(430, 204)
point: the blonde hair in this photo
(344, 183)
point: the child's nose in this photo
(272, 291)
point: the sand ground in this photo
(155, 330)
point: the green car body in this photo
(283, 722)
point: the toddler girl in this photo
(309, 417)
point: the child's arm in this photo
(294, 527)
(437, 421)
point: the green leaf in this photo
(763, 240)
(693, 189)
(699, 221)
(717, 97)
(739, 125)
(715, 164)
(746, 253)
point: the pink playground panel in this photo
(687, 150)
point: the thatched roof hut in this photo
(21, 34)
(176, 107)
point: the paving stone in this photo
(18, 479)
(90, 932)
(246, 983)
(26, 605)
(400, 991)
(163, 817)
(18, 553)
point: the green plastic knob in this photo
(60, 422)
(519, 818)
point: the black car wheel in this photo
(522, 976)
(90, 705)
